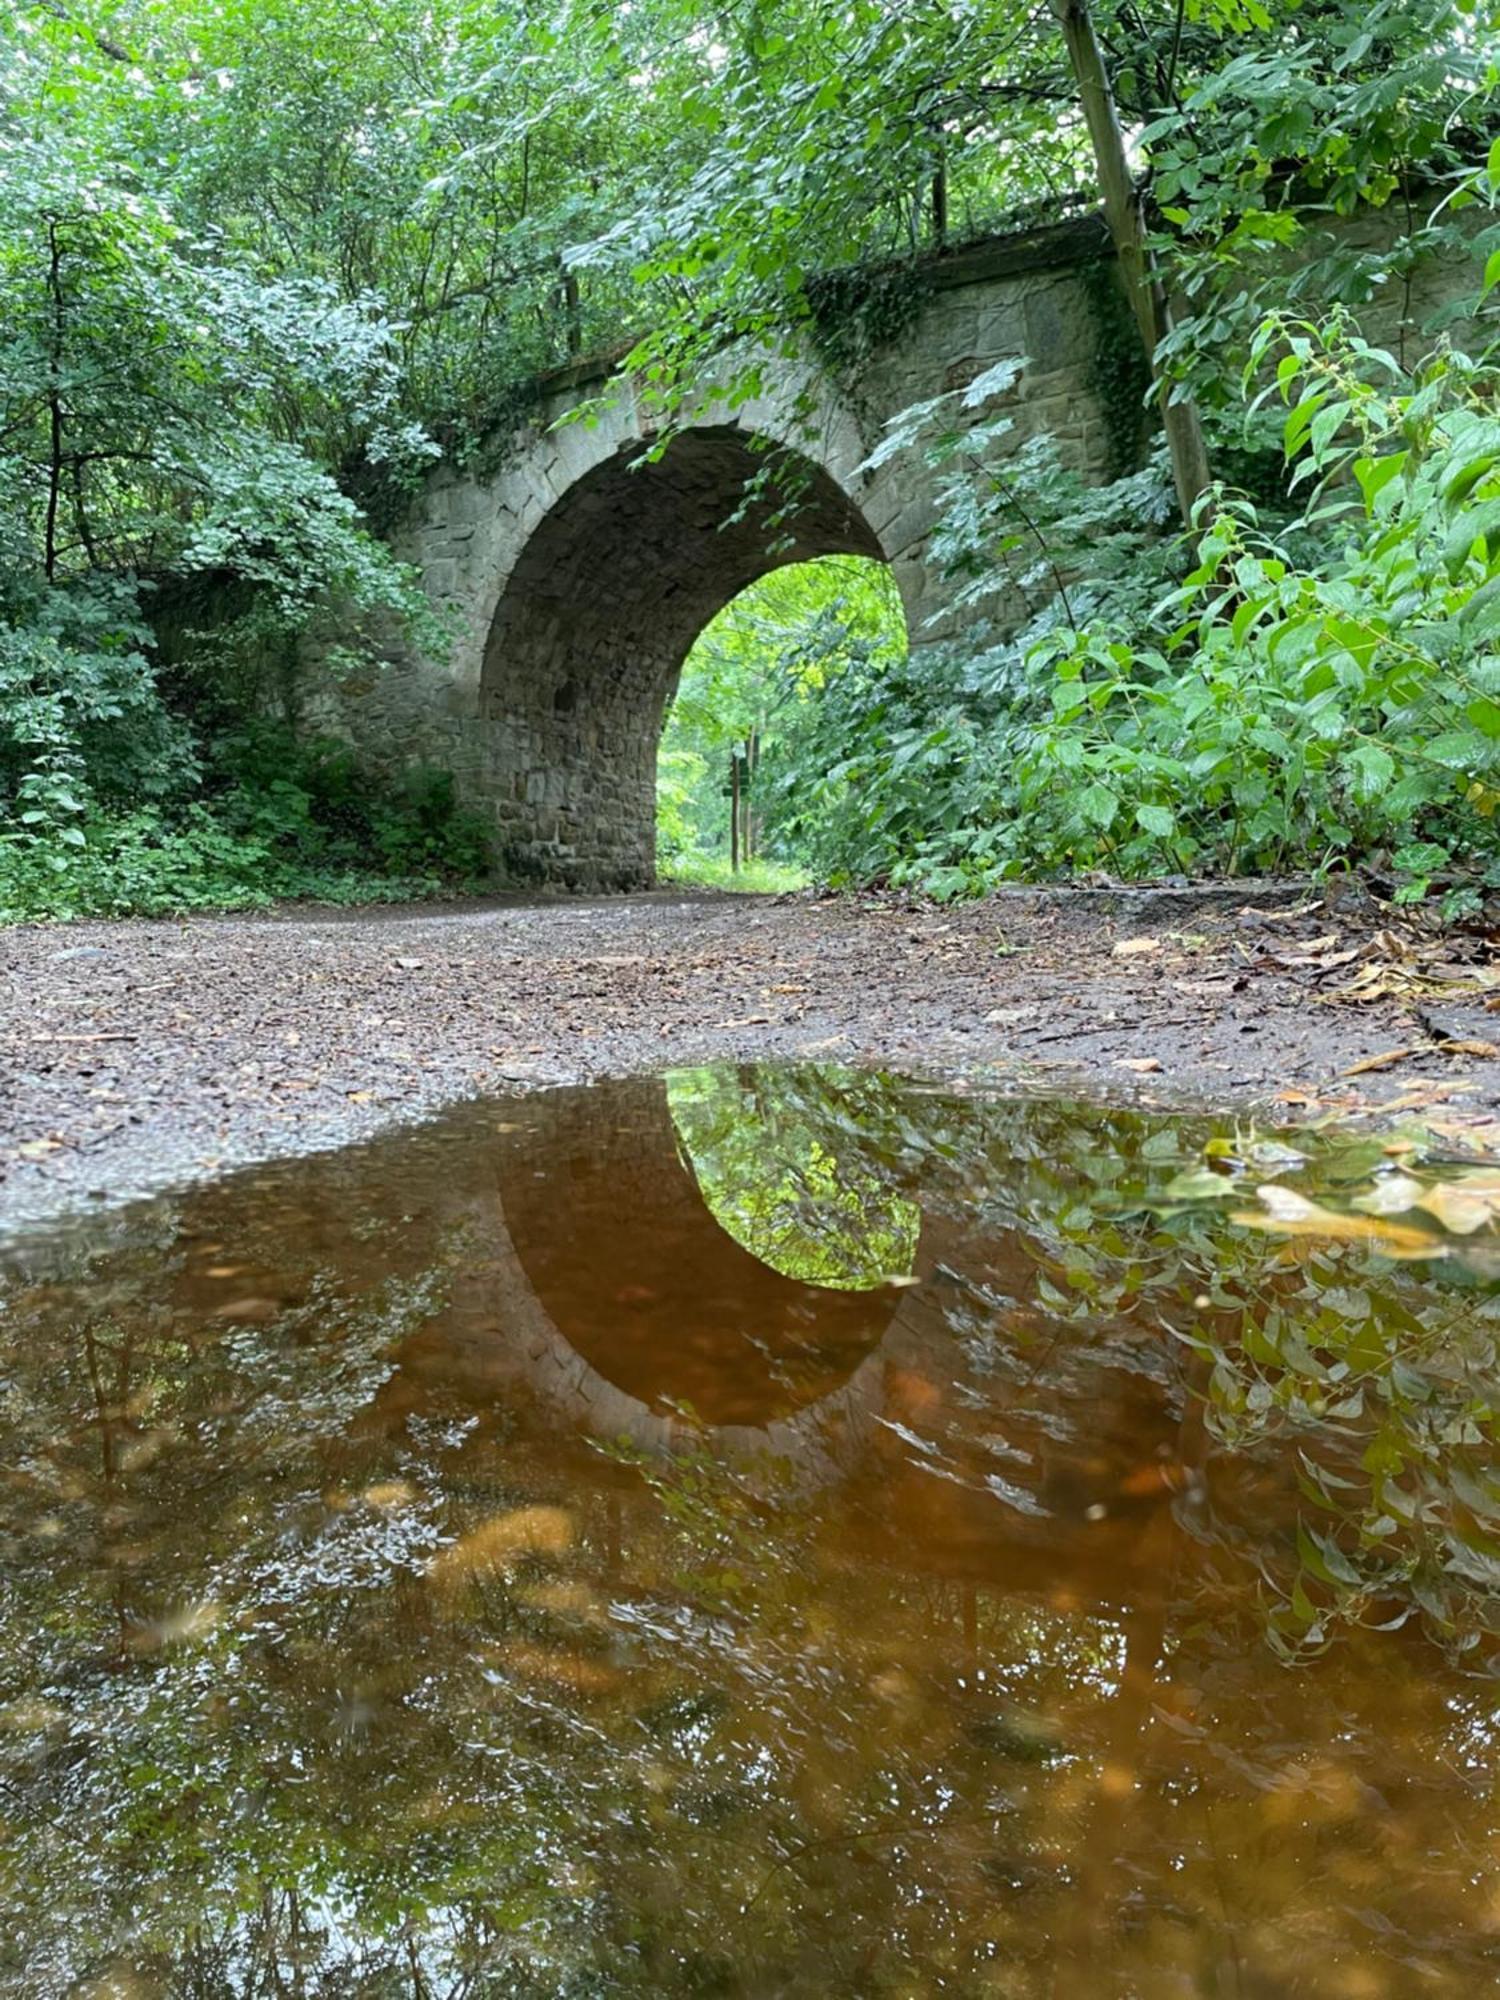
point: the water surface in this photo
(758, 1532)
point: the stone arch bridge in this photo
(578, 571)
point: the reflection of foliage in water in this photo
(781, 1157)
(736, 1732)
(1382, 1374)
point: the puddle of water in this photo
(762, 1532)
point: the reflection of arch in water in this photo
(599, 1277)
(596, 1281)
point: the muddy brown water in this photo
(761, 1531)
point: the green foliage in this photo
(856, 311)
(1119, 372)
(281, 818)
(259, 266)
(1294, 712)
(765, 1154)
(900, 769)
(172, 416)
(111, 803)
(81, 717)
(1322, 685)
(762, 669)
(756, 877)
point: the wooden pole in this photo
(752, 759)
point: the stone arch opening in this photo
(760, 681)
(597, 615)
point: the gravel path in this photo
(137, 1054)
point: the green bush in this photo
(1321, 688)
(81, 718)
(313, 801)
(264, 819)
(1294, 713)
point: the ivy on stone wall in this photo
(858, 310)
(1119, 375)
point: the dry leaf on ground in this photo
(1383, 1061)
(1284, 1212)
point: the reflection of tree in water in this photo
(690, 1730)
(764, 1146)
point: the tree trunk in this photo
(1122, 211)
(54, 398)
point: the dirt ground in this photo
(138, 1054)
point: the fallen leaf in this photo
(1198, 1184)
(1286, 916)
(1479, 1133)
(1464, 1048)
(1396, 974)
(1142, 1065)
(1460, 1213)
(1284, 1212)
(1133, 947)
(563, 1597)
(1273, 1157)
(249, 1312)
(1392, 1194)
(1417, 1096)
(577, 1672)
(1383, 1061)
(500, 1542)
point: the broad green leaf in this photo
(1098, 804)
(1373, 770)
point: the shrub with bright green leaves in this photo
(1321, 688)
(82, 723)
(1297, 713)
(265, 818)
